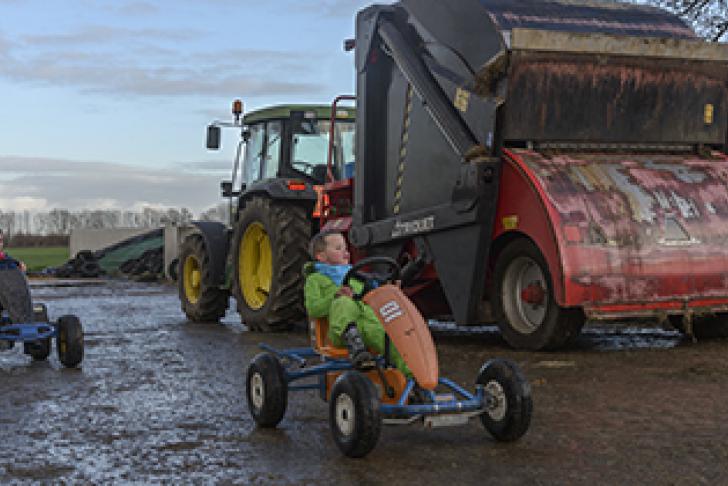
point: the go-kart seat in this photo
(320, 341)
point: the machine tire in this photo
(354, 394)
(201, 298)
(266, 390)
(705, 327)
(69, 342)
(277, 303)
(507, 419)
(549, 327)
(41, 349)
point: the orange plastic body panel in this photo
(408, 331)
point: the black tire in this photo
(69, 342)
(524, 325)
(85, 256)
(172, 269)
(704, 327)
(41, 349)
(509, 414)
(202, 301)
(278, 304)
(354, 414)
(266, 390)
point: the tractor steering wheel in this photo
(374, 279)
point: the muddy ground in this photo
(161, 400)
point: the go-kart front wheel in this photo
(69, 342)
(508, 410)
(267, 390)
(354, 415)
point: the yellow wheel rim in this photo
(255, 266)
(192, 278)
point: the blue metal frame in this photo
(468, 402)
(27, 332)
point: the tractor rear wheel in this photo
(269, 249)
(202, 299)
(524, 304)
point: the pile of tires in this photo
(84, 265)
(148, 266)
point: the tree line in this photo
(62, 221)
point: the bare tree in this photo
(709, 18)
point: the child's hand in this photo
(346, 291)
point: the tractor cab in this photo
(289, 142)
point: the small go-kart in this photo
(361, 401)
(22, 321)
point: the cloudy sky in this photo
(104, 103)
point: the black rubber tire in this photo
(69, 342)
(172, 269)
(354, 393)
(41, 349)
(510, 418)
(213, 301)
(289, 229)
(85, 256)
(705, 327)
(559, 325)
(266, 390)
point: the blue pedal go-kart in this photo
(27, 323)
(361, 401)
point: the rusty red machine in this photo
(538, 163)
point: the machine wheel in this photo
(202, 300)
(38, 350)
(524, 304)
(69, 342)
(509, 414)
(704, 327)
(267, 390)
(269, 249)
(354, 415)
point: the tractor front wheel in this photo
(201, 298)
(524, 304)
(269, 249)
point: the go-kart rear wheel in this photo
(267, 390)
(508, 410)
(69, 342)
(41, 349)
(354, 415)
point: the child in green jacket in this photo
(351, 322)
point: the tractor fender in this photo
(217, 241)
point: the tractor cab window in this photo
(311, 148)
(273, 150)
(254, 151)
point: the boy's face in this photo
(335, 252)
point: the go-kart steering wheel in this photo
(375, 279)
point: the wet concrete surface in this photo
(161, 400)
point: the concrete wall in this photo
(96, 239)
(173, 236)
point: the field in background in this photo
(40, 258)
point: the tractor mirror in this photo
(227, 188)
(213, 137)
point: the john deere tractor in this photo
(274, 196)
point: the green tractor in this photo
(274, 194)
